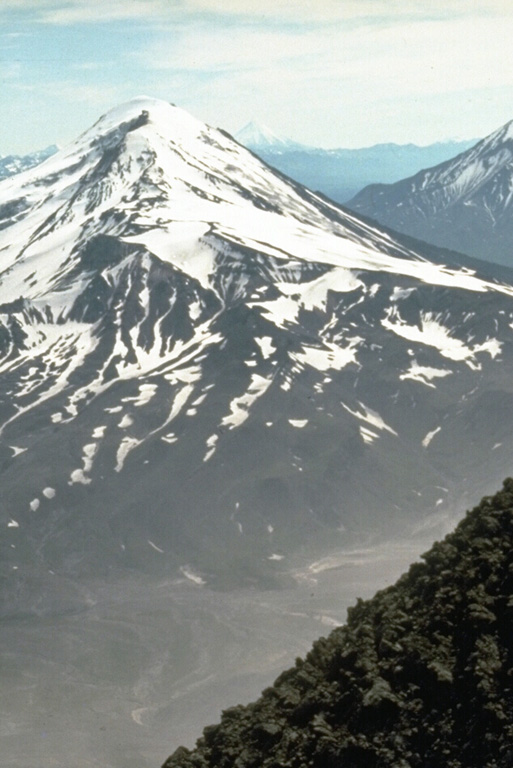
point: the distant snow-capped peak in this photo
(257, 136)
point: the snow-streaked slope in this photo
(465, 203)
(209, 364)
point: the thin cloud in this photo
(90, 66)
(72, 12)
(423, 57)
(69, 12)
(298, 11)
(95, 96)
(350, 77)
(11, 71)
(203, 48)
(15, 35)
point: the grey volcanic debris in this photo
(204, 363)
(421, 674)
(464, 203)
(341, 173)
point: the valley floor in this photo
(143, 666)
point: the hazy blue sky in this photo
(324, 72)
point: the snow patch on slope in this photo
(240, 406)
(266, 346)
(430, 435)
(127, 444)
(80, 475)
(328, 357)
(372, 419)
(433, 334)
(211, 445)
(424, 374)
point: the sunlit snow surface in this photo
(424, 374)
(432, 333)
(186, 163)
(375, 423)
(429, 437)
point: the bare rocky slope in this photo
(421, 675)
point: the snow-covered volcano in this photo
(205, 367)
(465, 203)
(259, 137)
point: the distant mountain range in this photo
(465, 203)
(12, 164)
(341, 173)
(419, 676)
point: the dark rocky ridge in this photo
(420, 676)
